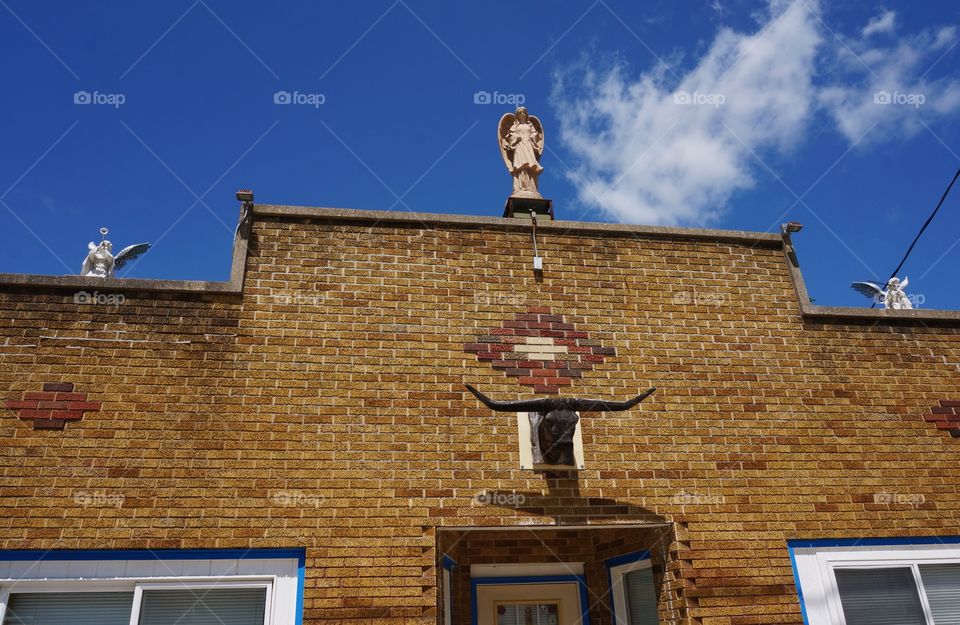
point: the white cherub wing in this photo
(502, 129)
(904, 283)
(870, 289)
(129, 253)
(87, 264)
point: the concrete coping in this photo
(267, 212)
(813, 312)
(78, 283)
(427, 220)
(27, 281)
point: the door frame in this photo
(580, 580)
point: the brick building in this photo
(296, 444)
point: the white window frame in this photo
(617, 573)
(278, 577)
(447, 599)
(815, 567)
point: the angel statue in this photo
(100, 261)
(893, 297)
(520, 136)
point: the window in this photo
(879, 596)
(65, 608)
(212, 587)
(909, 583)
(528, 614)
(633, 589)
(203, 606)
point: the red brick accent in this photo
(51, 408)
(946, 416)
(503, 348)
(59, 387)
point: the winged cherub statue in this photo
(100, 261)
(520, 136)
(893, 297)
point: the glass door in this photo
(555, 603)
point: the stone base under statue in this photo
(523, 206)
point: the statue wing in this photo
(868, 289)
(601, 405)
(904, 282)
(502, 128)
(536, 124)
(523, 405)
(129, 253)
(87, 265)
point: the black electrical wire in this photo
(922, 228)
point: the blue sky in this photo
(726, 113)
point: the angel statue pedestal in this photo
(520, 138)
(523, 206)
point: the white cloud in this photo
(888, 87)
(882, 23)
(648, 157)
(644, 155)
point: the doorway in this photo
(554, 575)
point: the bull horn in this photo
(523, 405)
(601, 405)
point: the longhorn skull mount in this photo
(553, 421)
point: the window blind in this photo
(879, 597)
(641, 597)
(203, 606)
(942, 585)
(69, 608)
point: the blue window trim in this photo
(796, 543)
(301, 578)
(796, 577)
(801, 543)
(449, 563)
(300, 553)
(542, 579)
(610, 563)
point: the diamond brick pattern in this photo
(540, 349)
(946, 416)
(52, 407)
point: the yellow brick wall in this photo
(325, 408)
